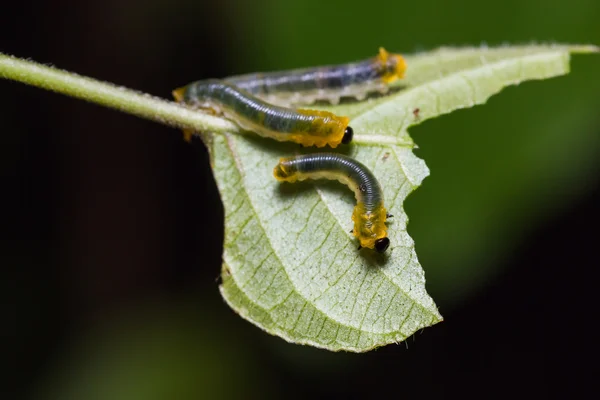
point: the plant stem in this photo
(112, 96)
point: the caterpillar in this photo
(234, 97)
(306, 127)
(369, 214)
(307, 85)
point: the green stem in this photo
(112, 96)
(120, 98)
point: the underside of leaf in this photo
(291, 265)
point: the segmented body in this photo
(369, 214)
(305, 86)
(307, 127)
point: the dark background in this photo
(112, 225)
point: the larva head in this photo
(325, 128)
(285, 171)
(369, 227)
(394, 66)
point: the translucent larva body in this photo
(307, 127)
(305, 86)
(369, 213)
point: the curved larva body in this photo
(369, 213)
(307, 127)
(305, 86)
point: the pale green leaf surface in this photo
(290, 265)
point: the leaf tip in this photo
(585, 49)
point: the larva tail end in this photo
(179, 94)
(283, 173)
(395, 65)
(383, 55)
(400, 66)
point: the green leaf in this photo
(290, 265)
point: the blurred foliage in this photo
(160, 350)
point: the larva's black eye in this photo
(348, 135)
(382, 244)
